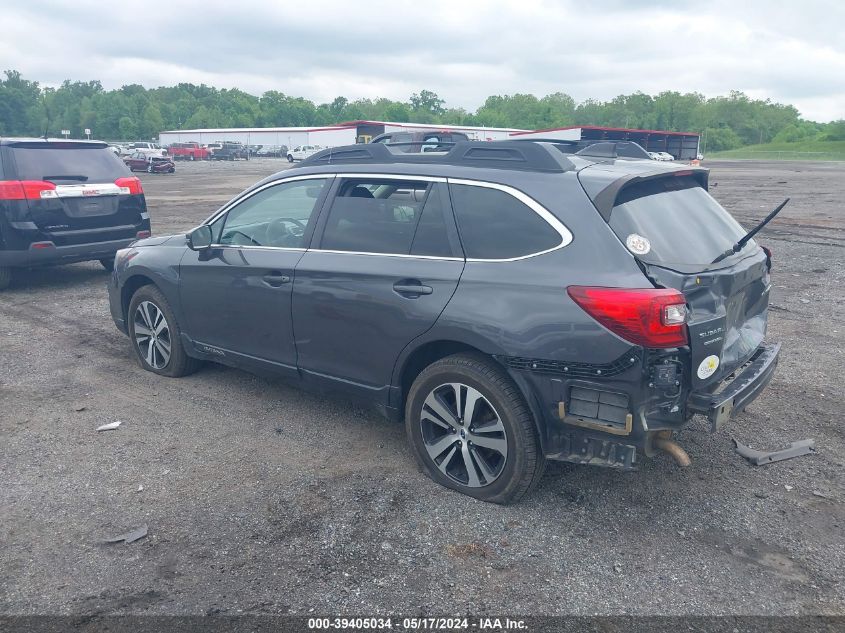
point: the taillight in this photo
(142, 235)
(651, 317)
(129, 185)
(26, 190)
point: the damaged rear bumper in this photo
(720, 406)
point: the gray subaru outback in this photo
(513, 302)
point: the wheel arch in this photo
(130, 287)
(431, 351)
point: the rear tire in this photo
(107, 263)
(495, 455)
(290, 158)
(5, 277)
(156, 336)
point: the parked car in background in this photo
(665, 156)
(65, 201)
(188, 151)
(413, 142)
(151, 149)
(272, 151)
(301, 152)
(509, 301)
(150, 164)
(230, 151)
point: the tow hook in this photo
(665, 443)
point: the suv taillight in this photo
(130, 185)
(651, 317)
(26, 190)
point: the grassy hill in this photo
(801, 150)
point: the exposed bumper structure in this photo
(720, 406)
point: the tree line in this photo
(134, 112)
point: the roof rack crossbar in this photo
(495, 154)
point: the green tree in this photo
(127, 129)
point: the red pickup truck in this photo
(188, 151)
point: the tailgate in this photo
(728, 314)
(675, 230)
(89, 202)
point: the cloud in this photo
(464, 51)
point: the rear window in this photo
(674, 222)
(495, 225)
(68, 164)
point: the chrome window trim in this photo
(531, 203)
(410, 177)
(259, 248)
(448, 259)
(548, 216)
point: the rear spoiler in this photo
(605, 199)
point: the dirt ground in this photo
(262, 499)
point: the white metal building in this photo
(329, 136)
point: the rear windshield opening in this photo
(674, 222)
(68, 164)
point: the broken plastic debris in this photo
(758, 458)
(130, 537)
(109, 427)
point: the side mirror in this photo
(199, 238)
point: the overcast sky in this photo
(788, 51)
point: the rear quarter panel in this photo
(521, 308)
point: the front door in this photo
(387, 262)
(236, 296)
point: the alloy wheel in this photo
(463, 435)
(152, 335)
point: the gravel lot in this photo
(263, 499)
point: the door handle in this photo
(276, 279)
(412, 288)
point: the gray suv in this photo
(511, 301)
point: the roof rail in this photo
(491, 154)
(595, 148)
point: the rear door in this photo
(676, 229)
(88, 200)
(386, 262)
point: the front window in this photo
(277, 216)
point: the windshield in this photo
(70, 163)
(674, 222)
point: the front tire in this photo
(155, 335)
(290, 158)
(471, 430)
(5, 277)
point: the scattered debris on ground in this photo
(129, 537)
(758, 458)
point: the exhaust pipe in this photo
(674, 449)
